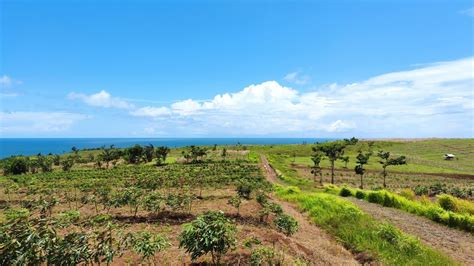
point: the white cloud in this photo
(297, 78)
(340, 126)
(149, 111)
(418, 102)
(5, 81)
(38, 122)
(101, 99)
(469, 12)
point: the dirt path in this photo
(317, 246)
(455, 243)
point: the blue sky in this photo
(236, 68)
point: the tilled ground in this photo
(318, 247)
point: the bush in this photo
(146, 244)
(211, 233)
(375, 197)
(345, 192)
(244, 189)
(447, 202)
(421, 190)
(286, 224)
(15, 166)
(360, 194)
(264, 256)
(408, 194)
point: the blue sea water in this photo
(32, 146)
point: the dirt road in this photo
(317, 245)
(455, 243)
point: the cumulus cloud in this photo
(101, 99)
(417, 102)
(149, 111)
(297, 78)
(39, 122)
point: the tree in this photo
(224, 153)
(15, 166)
(316, 169)
(333, 151)
(161, 154)
(361, 160)
(235, 202)
(134, 154)
(211, 233)
(45, 163)
(286, 224)
(386, 161)
(149, 152)
(107, 155)
(67, 163)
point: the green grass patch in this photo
(447, 213)
(362, 233)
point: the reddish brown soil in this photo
(319, 247)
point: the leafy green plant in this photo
(235, 202)
(286, 224)
(211, 233)
(147, 244)
(345, 192)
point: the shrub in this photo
(421, 190)
(360, 194)
(345, 192)
(264, 256)
(408, 194)
(286, 224)
(244, 189)
(69, 217)
(146, 244)
(261, 198)
(235, 202)
(447, 202)
(15, 166)
(375, 197)
(211, 233)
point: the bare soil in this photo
(317, 245)
(457, 244)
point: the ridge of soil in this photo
(316, 245)
(457, 244)
(450, 175)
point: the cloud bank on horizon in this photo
(435, 100)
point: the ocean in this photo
(33, 146)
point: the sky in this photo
(370, 69)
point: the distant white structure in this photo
(449, 156)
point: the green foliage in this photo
(345, 192)
(235, 202)
(67, 163)
(211, 233)
(16, 213)
(161, 154)
(360, 194)
(264, 256)
(408, 194)
(69, 217)
(249, 242)
(286, 224)
(134, 154)
(15, 166)
(421, 190)
(147, 244)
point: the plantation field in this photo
(130, 206)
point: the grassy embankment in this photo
(361, 233)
